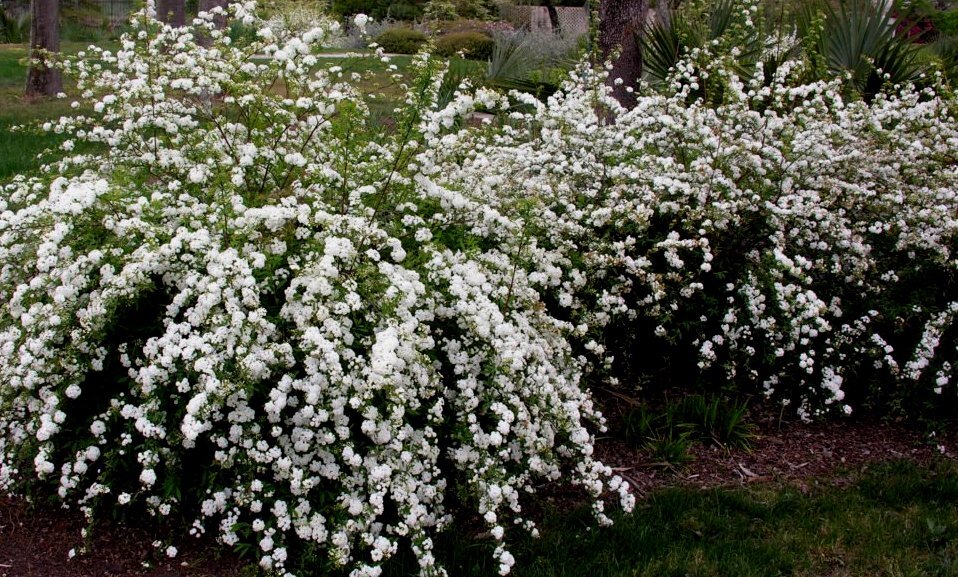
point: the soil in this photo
(796, 453)
(36, 541)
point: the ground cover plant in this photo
(319, 342)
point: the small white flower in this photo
(148, 477)
(361, 20)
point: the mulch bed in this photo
(35, 541)
(795, 453)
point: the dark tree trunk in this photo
(620, 23)
(173, 12)
(42, 79)
(207, 5)
(218, 20)
(553, 16)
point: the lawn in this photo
(898, 518)
(892, 519)
(18, 149)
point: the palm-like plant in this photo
(663, 46)
(14, 29)
(528, 62)
(857, 41)
(945, 52)
(667, 40)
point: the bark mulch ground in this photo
(796, 453)
(35, 541)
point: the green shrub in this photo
(440, 10)
(461, 25)
(239, 32)
(374, 8)
(473, 9)
(473, 45)
(378, 9)
(14, 30)
(403, 11)
(90, 32)
(402, 40)
(946, 22)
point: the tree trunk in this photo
(553, 16)
(218, 20)
(620, 22)
(173, 12)
(207, 5)
(43, 80)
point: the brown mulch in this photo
(795, 453)
(35, 541)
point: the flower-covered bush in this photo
(299, 16)
(251, 309)
(247, 310)
(785, 240)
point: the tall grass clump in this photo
(14, 28)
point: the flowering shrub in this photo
(299, 17)
(253, 313)
(257, 312)
(781, 239)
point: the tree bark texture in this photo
(173, 12)
(553, 16)
(620, 23)
(207, 5)
(42, 79)
(219, 20)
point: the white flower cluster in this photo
(248, 310)
(260, 312)
(784, 235)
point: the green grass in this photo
(384, 88)
(19, 150)
(898, 519)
